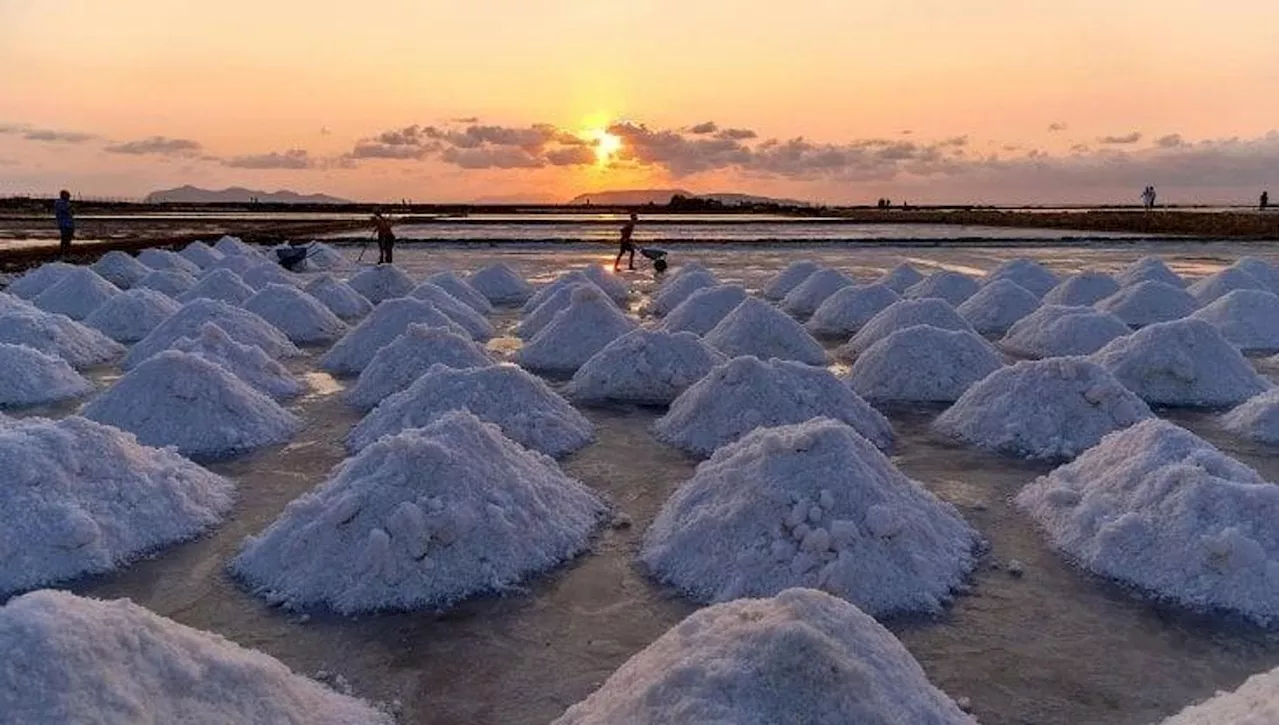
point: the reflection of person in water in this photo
(386, 238)
(625, 246)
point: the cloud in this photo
(1057, 126)
(291, 159)
(736, 134)
(1128, 138)
(1172, 141)
(324, 131)
(504, 157)
(49, 135)
(571, 156)
(157, 145)
(704, 128)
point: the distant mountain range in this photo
(237, 195)
(662, 197)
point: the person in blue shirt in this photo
(66, 222)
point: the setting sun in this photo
(606, 145)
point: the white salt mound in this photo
(577, 332)
(613, 285)
(543, 314)
(261, 275)
(1257, 419)
(757, 328)
(219, 284)
(120, 269)
(952, 287)
(233, 246)
(704, 309)
(79, 660)
(678, 288)
(201, 254)
(849, 308)
(804, 298)
(786, 280)
(800, 657)
(388, 321)
(382, 282)
(1248, 318)
(1228, 280)
(901, 315)
(58, 335)
(745, 393)
(77, 294)
(179, 399)
(84, 498)
(301, 317)
(1184, 362)
(1160, 509)
(453, 284)
(900, 278)
(1147, 303)
(37, 280)
(923, 364)
(1148, 269)
(10, 302)
(172, 282)
(32, 377)
(1059, 330)
(1053, 408)
(339, 297)
(993, 309)
(323, 257)
(1085, 288)
(425, 518)
(1253, 703)
(1262, 271)
(238, 263)
(243, 327)
(545, 292)
(522, 405)
(1026, 273)
(470, 320)
(165, 259)
(247, 362)
(408, 357)
(649, 367)
(501, 285)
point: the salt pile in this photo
(704, 309)
(383, 282)
(501, 285)
(302, 318)
(1160, 509)
(1085, 288)
(849, 308)
(10, 302)
(1058, 330)
(179, 399)
(388, 320)
(678, 288)
(800, 657)
(233, 246)
(547, 291)
(1232, 278)
(423, 519)
(82, 498)
(1257, 419)
(923, 364)
(325, 258)
(1148, 269)
(261, 275)
(757, 328)
(408, 357)
(35, 281)
(32, 377)
(900, 278)
(1247, 318)
(1185, 362)
(946, 285)
(786, 280)
(1028, 274)
(805, 297)
(120, 269)
(77, 294)
(339, 297)
(247, 362)
(1260, 270)
(470, 320)
(201, 254)
(172, 282)
(577, 332)
(543, 314)
(219, 284)
(993, 309)
(901, 315)
(132, 315)
(164, 259)
(1147, 303)
(238, 263)
(1052, 408)
(746, 393)
(522, 405)
(465, 293)
(243, 327)
(77, 660)
(1253, 703)
(613, 285)
(644, 366)
(58, 335)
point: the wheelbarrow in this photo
(291, 258)
(659, 257)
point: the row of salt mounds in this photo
(425, 518)
(180, 399)
(1147, 303)
(900, 278)
(261, 275)
(234, 246)
(501, 285)
(800, 657)
(74, 659)
(238, 263)
(1247, 318)
(453, 284)
(32, 377)
(1148, 269)
(899, 316)
(1049, 409)
(786, 280)
(704, 309)
(1253, 703)
(219, 284)
(76, 295)
(473, 322)
(388, 321)
(120, 269)
(84, 498)
(1227, 280)
(1158, 508)
(649, 367)
(243, 326)
(1059, 330)
(341, 299)
(165, 259)
(952, 287)
(301, 317)
(995, 308)
(382, 282)
(849, 308)
(577, 332)
(1184, 362)
(1257, 419)
(172, 282)
(132, 314)
(408, 357)
(759, 329)
(1026, 273)
(1085, 288)
(614, 286)
(247, 362)
(678, 288)
(542, 315)
(746, 393)
(37, 280)
(923, 364)
(814, 505)
(547, 291)
(1262, 271)
(522, 405)
(804, 298)
(59, 335)
(200, 254)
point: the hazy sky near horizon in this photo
(981, 101)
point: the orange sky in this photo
(248, 79)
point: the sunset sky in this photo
(996, 101)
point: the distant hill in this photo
(662, 197)
(237, 195)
